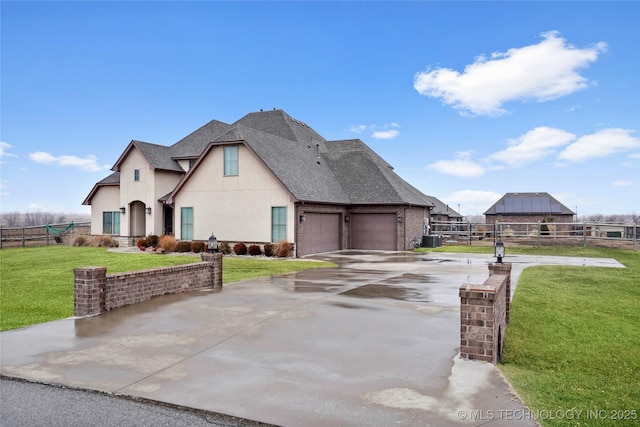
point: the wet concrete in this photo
(372, 342)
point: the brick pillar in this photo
(216, 274)
(89, 291)
(505, 270)
(477, 322)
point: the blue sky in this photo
(467, 100)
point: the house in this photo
(443, 212)
(265, 178)
(528, 207)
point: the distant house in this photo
(265, 178)
(528, 207)
(442, 212)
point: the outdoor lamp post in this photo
(499, 251)
(212, 245)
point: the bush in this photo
(142, 243)
(96, 241)
(224, 248)
(282, 249)
(152, 240)
(197, 247)
(240, 248)
(184, 246)
(268, 249)
(255, 250)
(168, 243)
(80, 241)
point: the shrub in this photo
(197, 247)
(268, 249)
(96, 241)
(142, 243)
(168, 243)
(255, 250)
(224, 248)
(152, 240)
(184, 246)
(80, 241)
(240, 248)
(282, 249)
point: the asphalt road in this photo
(27, 404)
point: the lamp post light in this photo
(212, 245)
(499, 251)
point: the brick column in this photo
(476, 322)
(89, 291)
(505, 270)
(216, 274)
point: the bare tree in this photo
(38, 218)
(12, 218)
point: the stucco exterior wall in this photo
(106, 199)
(234, 208)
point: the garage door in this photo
(321, 233)
(374, 231)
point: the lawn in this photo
(36, 284)
(573, 343)
(572, 347)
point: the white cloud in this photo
(533, 145)
(88, 164)
(385, 134)
(461, 166)
(472, 202)
(539, 72)
(623, 183)
(600, 144)
(3, 150)
(358, 129)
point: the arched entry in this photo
(137, 225)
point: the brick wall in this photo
(484, 315)
(95, 291)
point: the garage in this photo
(374, 231)
(322, 233)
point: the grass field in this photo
(36, 284)
(573, 344)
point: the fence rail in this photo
(42, 235)
(540, 233)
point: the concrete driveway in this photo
(373, 342)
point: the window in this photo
(278, 224)
(136, 174)
(111, 223)
(186, 223)
(231, 160)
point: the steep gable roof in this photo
(192, 145)
(310, 167)
(159, 156)
(111, 180)
(527, 204)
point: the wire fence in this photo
(614, 235)
(42, 235)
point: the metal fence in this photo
(540, 233)
(42, 235)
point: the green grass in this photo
(36, 284)
(573, 342)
